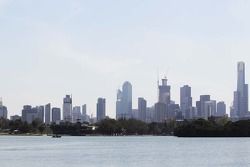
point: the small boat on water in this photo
(56, 136)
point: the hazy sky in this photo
(88, 48)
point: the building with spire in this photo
(164, 100)
(240, 104)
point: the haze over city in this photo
(89, 48)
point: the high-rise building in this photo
(124, 102)
(210, 108)
(30, 114)
(160, 112)
(173, 110)
(164, 92)
(56, 115)
(85, 117)
(186, 101)
(41, 113)
(142, 109)
(67, 108)
(101, 109)
(47, 113)
(240, 104)
(3, 111)
(200, 105)
(221, 109)
(76, 114)
(84, 109)
(164, 98)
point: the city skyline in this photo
(164, 107)
(78, 45)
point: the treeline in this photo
(20, 127)
(211, 128)
(133, 127)
(112, 127)
(72, 129)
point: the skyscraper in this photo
(56, 115)
(30, 114)
(164, 100)
(124, 102)
(160, 112)
(164, 92)
(76, 114)
(3, 111)
(101, 109)
(186, 101)
(41, 113)
(142, 109)
(221, 109)
(67, 108)
(210, 108)
(47, 113)
(240, 104)
(200, 105)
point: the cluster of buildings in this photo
(163, 110)
(48, 114)
(166, 109)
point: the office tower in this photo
(186, 101)
(124, 102)
(84, 113)
(164, 92)
(41, 113)
(173, 110)
(150, 114)
(84, 110)
(3, 111)
(101, 109)
(76, 114)
(198, 109)
(160, 112)
(200, 105)
(30, 114)
(240, 104)
(142, 109)
(135, 114)
(56, 115)
(164, 97)
(67, 108)
(119, 109)
(210, 108)
(47, 113)
(221, 109)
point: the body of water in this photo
(150, 151)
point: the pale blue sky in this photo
(49, 48)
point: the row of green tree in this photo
(112, 127)
(211, 128)
(133, 127)
(20, 127)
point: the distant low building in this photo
(15, 117)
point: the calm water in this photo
(123, 152)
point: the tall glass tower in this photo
(241, 95)
(124, 102)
